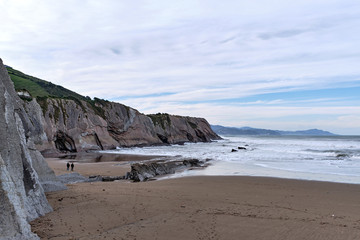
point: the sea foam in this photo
(335, 158)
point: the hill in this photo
(233, 131)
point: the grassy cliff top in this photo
(40, 88)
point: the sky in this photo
(274, 64)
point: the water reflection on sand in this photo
(95, 157)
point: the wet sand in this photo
(200, 208)
(98, 164)
(88, 169)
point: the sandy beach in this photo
(199, 208)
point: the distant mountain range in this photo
(226, 131)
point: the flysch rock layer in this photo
(78, 126)
(53, 125)
(22, 168)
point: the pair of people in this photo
(68, 166)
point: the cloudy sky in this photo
(276, 64)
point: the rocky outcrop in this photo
(22, 168)
(144, 171)
(179, 129)
(72, 125)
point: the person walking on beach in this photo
(72, 166)
(67, 166)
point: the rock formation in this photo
(74, 123)
(77, 126)
(23, 170)
(68, 124)
(144, 171)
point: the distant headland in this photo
(233, 131)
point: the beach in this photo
(203, 207)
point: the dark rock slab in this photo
(145, 171)
(112, 178)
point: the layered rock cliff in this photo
(77, 125)
(23, 171)
(68, 122)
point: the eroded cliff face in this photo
(67, 125)
(75, 126)
(22, 197)
(178, 129)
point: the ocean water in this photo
(334, 158)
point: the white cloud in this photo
(197, 50)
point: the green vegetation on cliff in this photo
(160, 119)
(25, 84)
(193, 125)
(40, 88)
(43, 90)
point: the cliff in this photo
(23, 172)
(74, 123)
(50, 118)
(75, 126)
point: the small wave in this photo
(267, 155)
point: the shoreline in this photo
(202, 207)
(88, 168)
(333, 160)
(104, 164)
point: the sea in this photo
(320, 158)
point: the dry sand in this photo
(201, 208)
